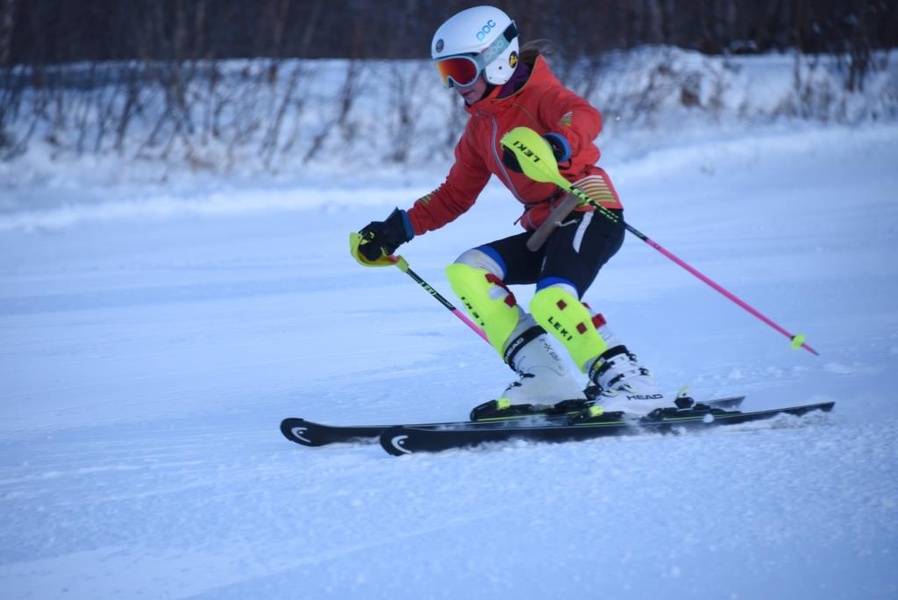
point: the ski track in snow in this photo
(149, 354)
(228, 511)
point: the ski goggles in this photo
(464, 69)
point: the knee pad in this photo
(480, 258)
(487, 300)
(560, 313)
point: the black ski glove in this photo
(381, 238)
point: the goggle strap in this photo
(497, 47)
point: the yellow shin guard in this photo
(490, 305)
(566, 318)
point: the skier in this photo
(477, 53)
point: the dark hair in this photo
(533, 48)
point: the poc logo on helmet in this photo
(485, 30)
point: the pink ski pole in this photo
(403, 266)
(535, 159)
(797, 339)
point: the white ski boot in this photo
(542, 376)
(543, 379)
(625, 384)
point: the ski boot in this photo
(624, 384)
(544, 385)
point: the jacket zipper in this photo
(504, 172)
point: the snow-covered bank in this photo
(339, 118)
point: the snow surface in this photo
(153, 336)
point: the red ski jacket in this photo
(544, 105)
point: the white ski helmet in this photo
(482, 39)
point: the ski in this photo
(310, 433)
(402, 440)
